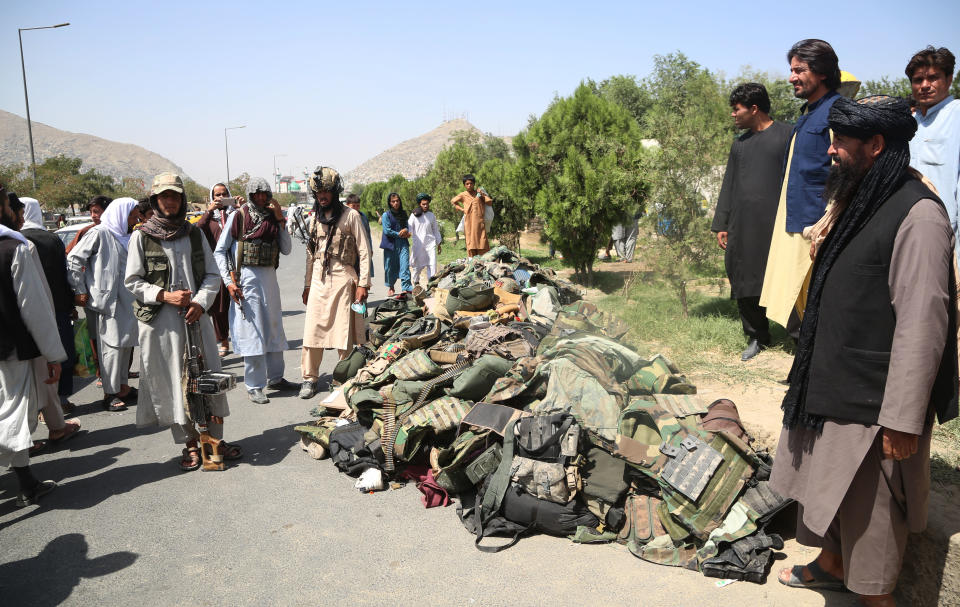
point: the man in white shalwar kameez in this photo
(425, 239)
(96, 269)
(172, 273)
(256, 315)
(30, 352)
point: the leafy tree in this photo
(511, 214)
(580, 164)
(895, 87)
(690, 120)
(784, 105)
(60, 183)
(237, 187)
(625, 91)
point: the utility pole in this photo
(226, 147)
(26, 99)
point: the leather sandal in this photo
(191, 459)
(821, 579)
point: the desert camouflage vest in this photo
(158, 270)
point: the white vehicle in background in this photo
(67, 233)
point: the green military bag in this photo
(438, 417)
(415, 366)
(391, 317)
(347, 368)
(450, 464)
(604, 480)
(474, 383)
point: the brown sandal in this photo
(191, 459)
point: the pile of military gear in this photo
(498, 386)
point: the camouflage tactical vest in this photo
(158, 270)
(255, 252)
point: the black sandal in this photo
(230, 451)
(191, 459)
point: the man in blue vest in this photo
(815, 76)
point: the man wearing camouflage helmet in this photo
(172, 273)
(332, 283)
(248, 252)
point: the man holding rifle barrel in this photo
(171, 272)
(247, 255)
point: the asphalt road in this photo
(126, 526)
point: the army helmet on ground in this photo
(326, 179)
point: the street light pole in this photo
(276, 173)
(226, 148)
(26, 99)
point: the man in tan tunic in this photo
(876, 359)
(331, 285)
(473, 204)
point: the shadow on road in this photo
(268, 448)
(292, 312)
(50, 577)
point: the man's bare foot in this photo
(877, 600)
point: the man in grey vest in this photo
(876, 359)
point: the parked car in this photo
(67, 233)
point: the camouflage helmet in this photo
(326, 179)
(509, 285)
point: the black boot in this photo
(753, 348)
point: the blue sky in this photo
(336, 82)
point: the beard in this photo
(844, 181)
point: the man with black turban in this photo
(876, 359)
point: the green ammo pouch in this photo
(442, 415)
(604, 479)
(469, 450)
(416, 365)
(642, 524)
(474, 383)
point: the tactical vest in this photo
(255, 252)
(15, 337)
(857, 321)
(343, 248)
(158, 270)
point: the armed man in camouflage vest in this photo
(331, 283)
(248, 254)
(171, 272)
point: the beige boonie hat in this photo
(166, 181)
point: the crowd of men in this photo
(842, 227)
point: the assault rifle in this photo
(203, 383)
(299, 225)
(235, 277)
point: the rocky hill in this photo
(411, 158)
(107, 157)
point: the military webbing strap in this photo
(496, 489)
